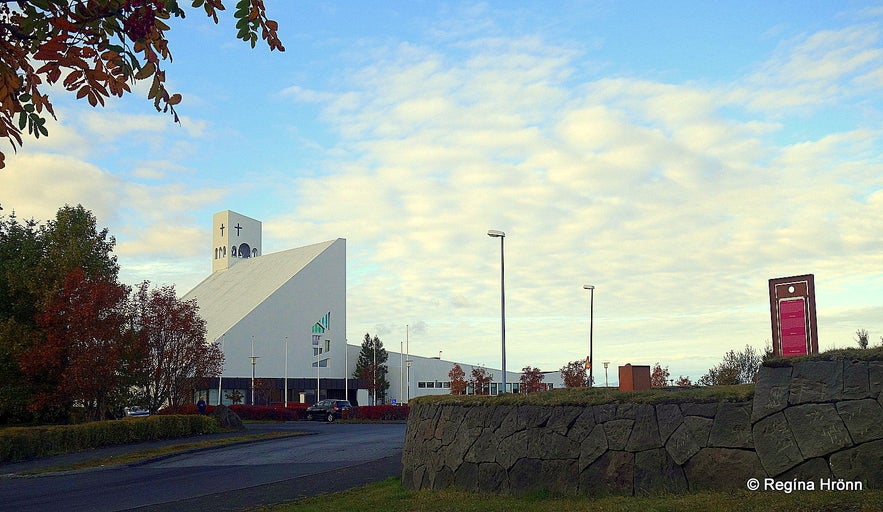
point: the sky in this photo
(675, 155)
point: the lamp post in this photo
(254, 360)
(493, 233)
(606, 363)
(374, 375)
(401, 370)
(318, 362)
(221, 376)
(285, 380)
(591, 289)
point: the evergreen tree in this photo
(371, 368)
(20, 253)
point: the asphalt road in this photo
(335, 457)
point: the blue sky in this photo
(676, 155)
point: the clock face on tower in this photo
(235, 237)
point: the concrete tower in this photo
(235, 237)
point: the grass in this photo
(852, 354)
(142, 455)
(601, 396)
(389, 496)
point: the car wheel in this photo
(310, 417)
(330, 418)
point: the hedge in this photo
(378, 412)
(294, 411)
(22, 443)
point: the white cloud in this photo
(677, 200)
(816, 69)
(677, 213)
(36, 185)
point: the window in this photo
(327, 345)
(430, 384)
(421, 384)
(446, 384)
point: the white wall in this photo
(290, 312)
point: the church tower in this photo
(234, 237)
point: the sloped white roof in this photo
(227, 296)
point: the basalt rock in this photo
(808, 420)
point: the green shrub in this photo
(21, 443)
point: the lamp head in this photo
(495, 233)
(589, 286)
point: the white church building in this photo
(280, 320)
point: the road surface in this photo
(335, 457)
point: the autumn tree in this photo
(683, 382)
(532, 380)
(35, 262)
(574, 374)
(659, 376)
(458, 380)
(81, 357)
(371, 368)
(96, 49)
(736, 368)
(263, 391)
(481, 381)
(173, 355)
(234, 396)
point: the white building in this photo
(280, 318)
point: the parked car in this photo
(136, 412)
(329, 410)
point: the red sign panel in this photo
(792, 321)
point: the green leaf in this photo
(146, 71)
(242, 23)
(42, 129)
(24, 98)
(22, 120)
(29, 107)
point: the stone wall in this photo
(808, 420)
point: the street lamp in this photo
(254, 360)
(221, 375)
(285, 380)
(493, 233)
(606, 364)
(408, 361)
(591, 289)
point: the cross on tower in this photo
(237, 227)
(222, 229)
